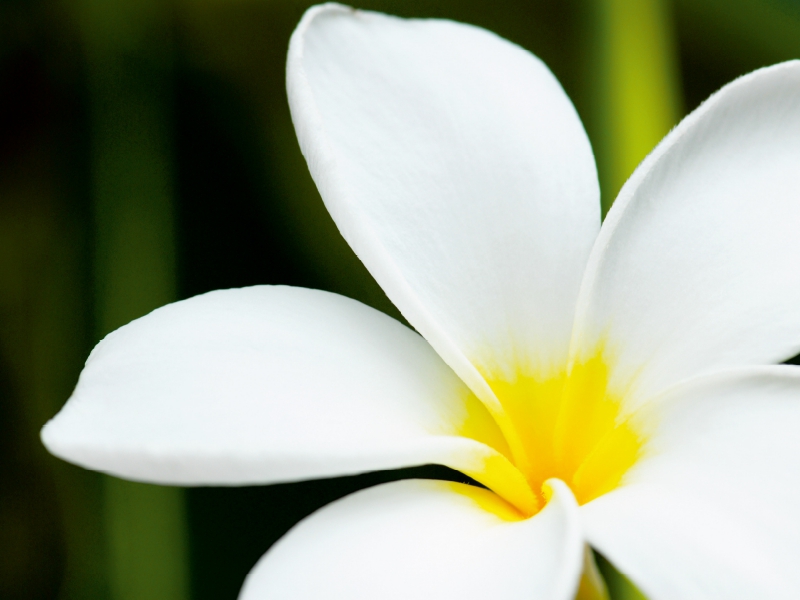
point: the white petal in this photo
(711, 511)
(266, 384)
(457, 169)
(427, 540)
(696, 267)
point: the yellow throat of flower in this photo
(567, 426)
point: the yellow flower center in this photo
(567, 426)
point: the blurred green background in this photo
(147, 155)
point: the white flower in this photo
(615, 389)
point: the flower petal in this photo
(695, 268)
(428, 540)
(458, 170)
(711, 510)
(268, 384)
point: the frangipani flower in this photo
(612, 388)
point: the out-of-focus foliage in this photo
(147, 154)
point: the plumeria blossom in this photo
(612, 388)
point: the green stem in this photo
(128, 54)
(639, 86)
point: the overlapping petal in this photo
(428, 540)
(710, 512)
(457, 169)
(267, 384)
(696, 266)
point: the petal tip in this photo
(53, 440)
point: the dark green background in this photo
(147, 155)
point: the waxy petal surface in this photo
(458, 170)
(427, 540)
(696, 267)
(710, 511)
(266, 384)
